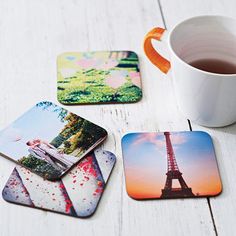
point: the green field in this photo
(89, 86)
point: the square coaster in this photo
(98, 77)
(170, 165)
(49, 140)
(76, 194)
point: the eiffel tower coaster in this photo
(170, 165)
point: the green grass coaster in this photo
(98, 77)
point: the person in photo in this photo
(47, 152)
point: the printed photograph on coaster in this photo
(170, 165)
(98, 77)
(49, 140)
(76, 194)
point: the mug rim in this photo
(185, 63)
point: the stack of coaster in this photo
(54, 148)
(48, 142)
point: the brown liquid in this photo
(215, 66)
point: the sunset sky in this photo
(145, 162)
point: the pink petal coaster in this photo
(76, 194)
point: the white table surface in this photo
(32, 34)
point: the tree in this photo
(54, 108)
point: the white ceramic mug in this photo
(206, 98)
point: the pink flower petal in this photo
(108, 64)
(88, 63)
(115, 81)
(136, 81)
(134, 74)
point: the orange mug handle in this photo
(158, 60)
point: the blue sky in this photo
(36, 123)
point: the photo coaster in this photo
(76, 194)
(48, 140)
(170, 165)
(98, 77)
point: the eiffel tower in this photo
(174, 173)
